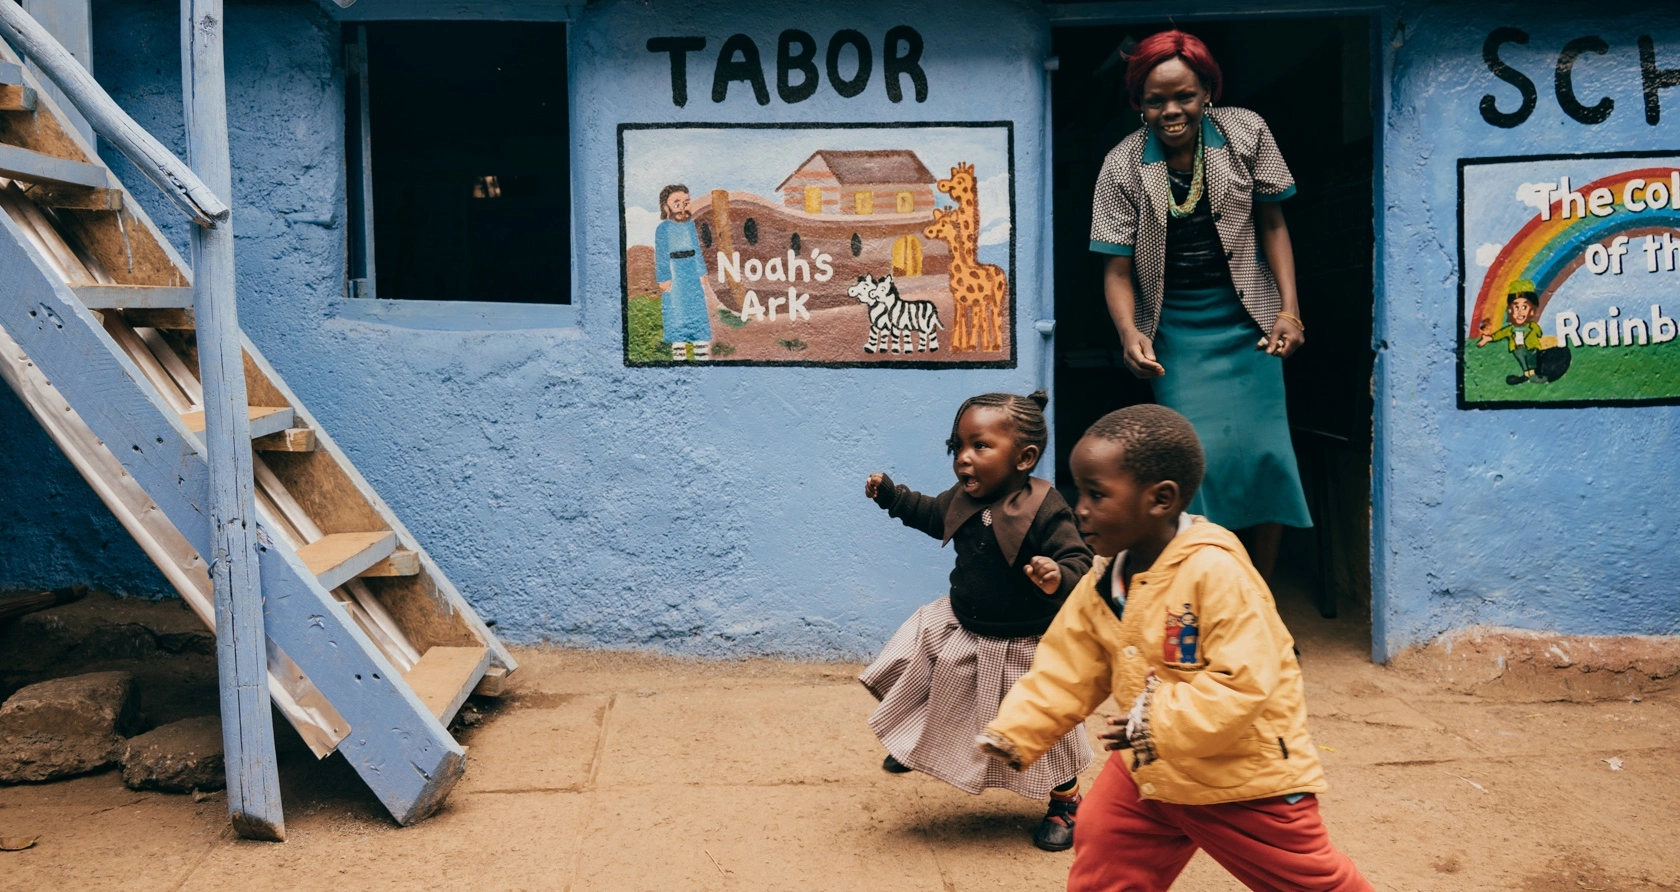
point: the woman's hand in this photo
(1044, 573)
(1287, 337)
(1139, 354)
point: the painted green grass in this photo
(1595, 373)
(647, 331)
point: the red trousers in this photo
(1126, 844)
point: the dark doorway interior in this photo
(1310, 79)
(471, 190)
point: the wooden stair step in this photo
(14, 98)
(337, 558)
(34, 167)
(445, 676)
(77, 198)
(133, 297)
(401, 562)
(494, 682)
(265, 420)
(292, 439)
(11, 74)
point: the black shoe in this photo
(1515, 379)
(894, 766)
(1055, 832)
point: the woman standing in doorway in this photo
(1201, 281)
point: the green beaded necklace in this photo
(1197, 166)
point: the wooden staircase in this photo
(371, 651)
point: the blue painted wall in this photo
(1559, 519)
(719, 510)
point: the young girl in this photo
(941, 677)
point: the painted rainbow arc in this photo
(1547, 252)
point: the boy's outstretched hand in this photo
(872, 486)
(1114, 737)
(1044, 573)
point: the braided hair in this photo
(1026, 413)
(1156, 444)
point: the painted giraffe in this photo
(989, 303)
(978, 290)
(966, 193)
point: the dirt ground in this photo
(606, 771)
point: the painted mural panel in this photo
(886, 245)
(1569, 280)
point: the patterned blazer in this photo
(1129, 209)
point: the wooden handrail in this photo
(159, 165)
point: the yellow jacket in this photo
(1226, 718)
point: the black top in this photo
(990, 595)
(1195, 256)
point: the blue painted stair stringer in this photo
(403, 753)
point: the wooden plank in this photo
(445, 676)
(34, 167)
(17, 98)
(292, 439)
(494, 682)
(263, 420)
(253, 781)
(67, 198)
(337, 558)
(402, 562)
(134, 297)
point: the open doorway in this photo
(1310, 79)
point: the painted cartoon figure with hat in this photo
(1522, 330)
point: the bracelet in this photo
(1284, 314)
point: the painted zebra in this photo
(893, 321)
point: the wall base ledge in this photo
(1519, 665)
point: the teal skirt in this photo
(1233, 395)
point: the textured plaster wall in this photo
(711, 510)
(1559, 519)
(719, 511)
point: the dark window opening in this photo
(467, 124)
(857, 244)
(706, 235)
(793, 242)
(749, 230)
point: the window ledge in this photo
(457, 315)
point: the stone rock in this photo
(67, 726)
(177, 758)
(96, 631)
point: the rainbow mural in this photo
(1546, 252)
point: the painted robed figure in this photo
(680, 268)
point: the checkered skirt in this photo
(939, 684)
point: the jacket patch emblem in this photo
(1183, 634)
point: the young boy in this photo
(1173, 621)
(1522, 308)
